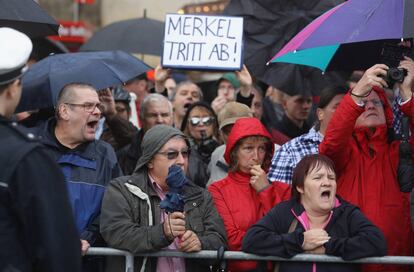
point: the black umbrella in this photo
(28, 17)
(268, 26)
(45, 79)
(142, 36)
(44, 46)
(298, 79)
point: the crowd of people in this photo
(252, 170)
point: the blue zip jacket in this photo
(87, 169)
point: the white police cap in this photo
(15, 49)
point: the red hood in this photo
(245, 127)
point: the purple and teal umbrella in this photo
(351, 35)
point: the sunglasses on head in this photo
(206, 121)
(173, 154)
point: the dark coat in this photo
(128, 224)
(37, 231)
(118, 132)
(288, 128)
(129, 155)
(352, 235)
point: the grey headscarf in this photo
(153, 140)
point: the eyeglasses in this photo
(88, 107)
(173, 154)
(375, 102)
(195, 121)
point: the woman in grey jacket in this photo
(132, 220)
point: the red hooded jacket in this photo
(366, 164)
(237, 202)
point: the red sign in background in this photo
(88, 2)
(72, 32)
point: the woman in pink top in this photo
(315, 221)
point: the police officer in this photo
(37, 232)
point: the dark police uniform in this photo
(37, 231)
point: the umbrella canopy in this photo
(28, 17)
(268, 26)
(44, 46)
(45, 79)
(298, 79)
(144, 36)
(351, 35)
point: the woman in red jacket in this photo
(245, 195)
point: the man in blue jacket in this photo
(87, 164)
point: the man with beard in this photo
(87, 164)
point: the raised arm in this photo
(339, 132)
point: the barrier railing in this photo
(237, 255)
(106, 251)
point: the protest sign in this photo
(203, 42)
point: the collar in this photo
(313, 135)
(292, 129)
(300, 213)
(157, 188)
(240, 177)
(365, 135)
(86, 150)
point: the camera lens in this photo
(395, 75)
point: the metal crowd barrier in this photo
(237, 255)
(107, 251)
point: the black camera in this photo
(391, 55)
(207, 147)
(395, 75)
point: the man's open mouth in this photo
(92, 124)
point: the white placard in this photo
(203, 42)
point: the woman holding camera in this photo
(201, 127)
